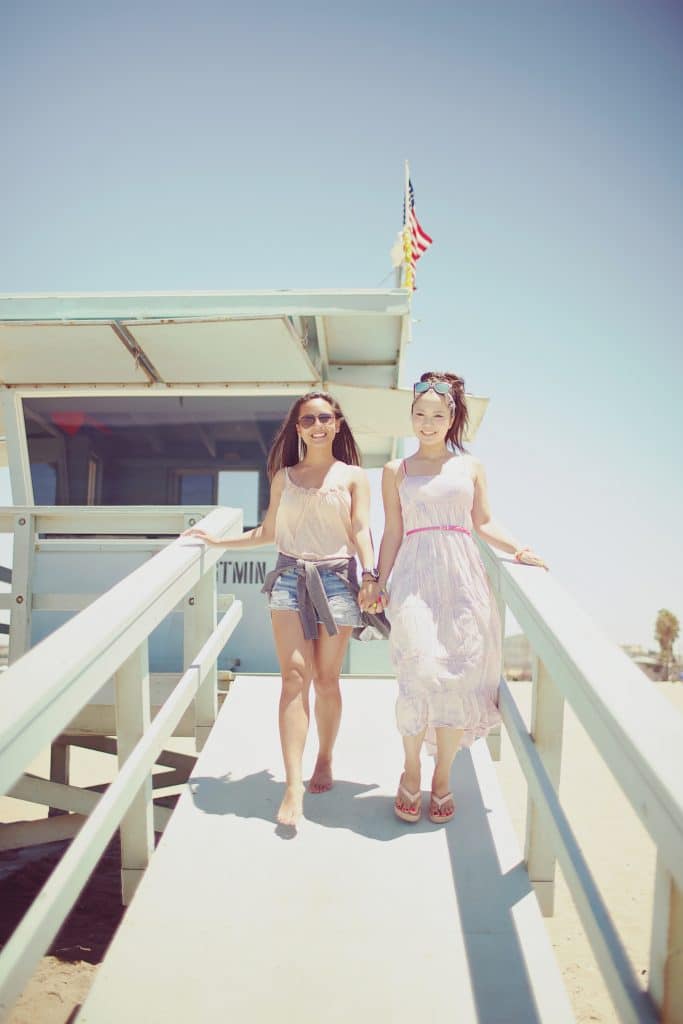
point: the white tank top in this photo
(314, 523)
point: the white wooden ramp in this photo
(356, 917)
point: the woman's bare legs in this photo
(328, 656)
(447, 744)
(295, 655)
(412, 771)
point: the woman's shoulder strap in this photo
(396, 467)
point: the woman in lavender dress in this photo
(445, 628)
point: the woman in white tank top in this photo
(319, 519)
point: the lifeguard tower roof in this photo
(219, 344)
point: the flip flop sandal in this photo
(407, 798)
(439, 801)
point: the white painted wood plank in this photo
(132, 307)
(17, 835)
(132, 722)
(34, 789)
(17, 448)
(494, 738)
(22, 586)
(117, 519)
(60, 767)
(100, 720)
(62, 602)
(666, 960)
(547, 719)
(200, 619)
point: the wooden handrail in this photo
(49, 685)
(46, 687)
(641, 742)
(631, 724)
(41, 923)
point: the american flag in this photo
(418, 241)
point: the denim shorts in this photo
(342, 601)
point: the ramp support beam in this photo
(200, 620)
(666, 953)
(547, 721)
(133, 717)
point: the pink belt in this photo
(450, 529)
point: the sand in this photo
(618, 850)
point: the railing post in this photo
(494, 737)
(133, 717)
(22, 592)
(199, 623)
(12, 406)
(60, 762)
(666, 951)
(547, 718)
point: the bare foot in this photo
(292, 806)
(321, 780)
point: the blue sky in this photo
(172, 146)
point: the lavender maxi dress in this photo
(445, 628)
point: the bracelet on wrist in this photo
(370, 574)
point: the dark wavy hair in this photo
(285, 448)
(456, 399)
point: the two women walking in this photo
(445, 632)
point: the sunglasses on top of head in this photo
(441, 387)
(323, 417)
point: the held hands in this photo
(372, 598)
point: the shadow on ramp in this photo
(348, 805)
(485, 897)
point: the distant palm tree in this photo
(666, 632)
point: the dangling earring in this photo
(302, 449)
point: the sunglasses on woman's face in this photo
(441, 387)
(322, 417)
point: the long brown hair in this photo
(285, 447)
(459, 405)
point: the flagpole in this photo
(406, 191)
(406, 200)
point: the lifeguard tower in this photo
(129, 417)
(138, 404)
